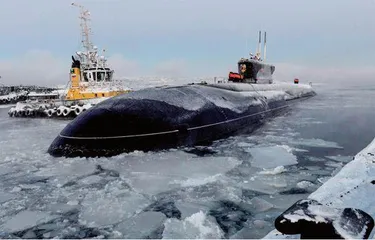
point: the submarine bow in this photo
(161, 118)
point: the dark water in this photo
(234, 188)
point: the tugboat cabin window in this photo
(85, 79)
(101, 76)
(108, 76)
(90, 76)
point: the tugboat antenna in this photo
(86, 30)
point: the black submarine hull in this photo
(156, 119)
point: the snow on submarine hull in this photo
(162, 118)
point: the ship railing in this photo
(110, 85)
(219, 79)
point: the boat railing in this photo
(220, 79)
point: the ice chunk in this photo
(334, 164)
(197, 225)
(152, 184)
(161, 172)
(90, 180)
(8, 169)
(199, 181)
(259, 223)
(340, 158)
(4, 197)
(253, 229)
(25, 220)
(61, 208)
(103, 209)
(258, 185)
(283, 201)
(275, 171)
(189, 208)
(307, 142)
(314, 142)
(144, 225)
(271, 184)
(29, 235)
(245, 144)
(316, 159)
(305, 184)
(74, 168)
(274, 234)
(260, 205)
(271, 157)
(182, 165)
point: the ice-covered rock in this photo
(313, 220)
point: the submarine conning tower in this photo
(254, 69)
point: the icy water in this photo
(234, 188)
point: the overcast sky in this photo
(311, 39)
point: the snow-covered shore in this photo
(352, 187)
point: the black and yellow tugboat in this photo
(91, 81)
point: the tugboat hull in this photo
(154, 119)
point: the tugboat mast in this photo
(90, 57)
(85, 28)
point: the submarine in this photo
(173, 116)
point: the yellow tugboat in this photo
(91, 81)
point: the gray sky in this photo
(311, 39)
